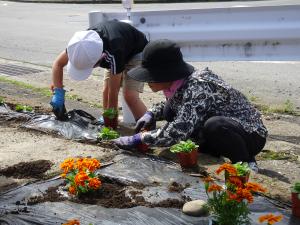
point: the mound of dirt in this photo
(33, 169)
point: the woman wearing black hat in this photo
(199, 105)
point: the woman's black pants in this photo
(224, 136)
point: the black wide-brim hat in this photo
(161, 62)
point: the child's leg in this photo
(131, 91)
(105, 89)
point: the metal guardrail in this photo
(221, 34)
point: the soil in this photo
(34, 169)
(110, 195)
(175, 187)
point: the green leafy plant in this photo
(108, 134)
(296, 188)
(23, 108)
(110, 113)
(242, 168)
(184, 146)
(1, 100)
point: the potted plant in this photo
(296, 199)
(186, 152)
(23, 108)
(80, 175)
(108, 134)
(110, 117)
(242, 172)
(229, 204)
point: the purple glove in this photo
(146, 122)
(128, 142)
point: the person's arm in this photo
(57, 69)
(191, 113)
(158, 110)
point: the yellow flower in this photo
(270, 218)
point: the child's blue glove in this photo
(58, 103)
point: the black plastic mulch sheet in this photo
(79, 126)
(126, 170)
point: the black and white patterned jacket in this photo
(202, 95)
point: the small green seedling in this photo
(296, 189)
(242, 168)
(23, 108)
(108, 134)
(110, 113)
(1, 100)
(184, 146)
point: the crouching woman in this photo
(199, 105)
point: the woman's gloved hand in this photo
(146, 122)
(128, 142)
(58, 103)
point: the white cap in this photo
(84, 51)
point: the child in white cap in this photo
(110, 45)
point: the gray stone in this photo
(195, 208)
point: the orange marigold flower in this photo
(63, 175)
(67, 165)
(208, 179)
(80, 178)
(72, 190)
(72, 222)
(94, 183)
(214, 187)
(227, 167)
(244, 194)
(235, 181)
(254, 187)
(92, 164)
(270, 218)
(80, 164)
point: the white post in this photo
(128, 117)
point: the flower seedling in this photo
(229, 204)
(80, 175)
(110, 113)
(108, 134)
(184, 146)
(23, 108)
(186, 152)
